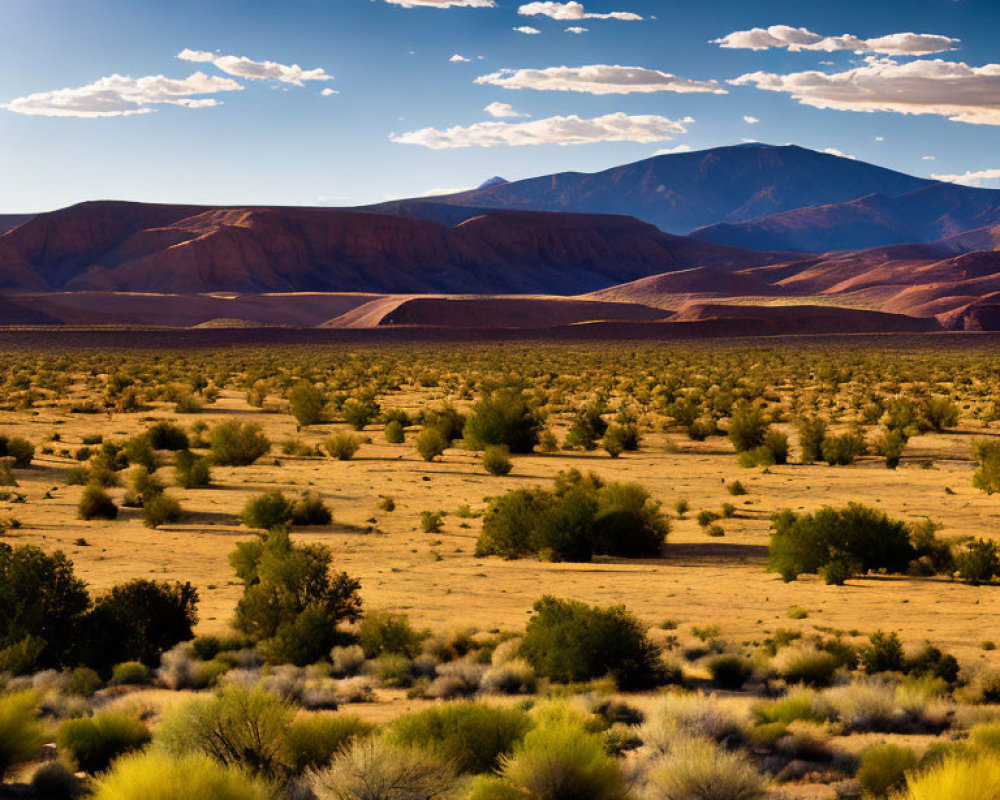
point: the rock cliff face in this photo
(130, 247)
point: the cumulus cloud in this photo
(443, 3)
(527, 29)
(618, 127)
(501, 110)
(669, 151)
(931, 86)
(329, 92)
(459, 59)
(597, 79)
(977, 178)
(799, 39)
(751, 120)
(576, 29)
(242, 67)
(122, 96)
(572, 11)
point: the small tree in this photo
(95, 503)
(267, 511)
(496, 460)
(987, 476)
(167, 436)
(306, 403)
(812, 431)
(979, 562)
(360, 411)
(747, 427)
(160, 509)
(191, 471)
(431, 443)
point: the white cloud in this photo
(977, 178)
(329, 92)
(597, 79)
(459, 59)
(879, 138)
(501, 110)
(571, 11)
(576, 29)
(798, 39)
(751, 120)
(618, 127)
(242, 67)
(122, 96)
(929, 158)
(833, 151)
(932, 86)
(443, 3)
(527, 29)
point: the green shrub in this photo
(431, 521)
(503, 418)
(560, 760)
(777, 443)
(987, 455)
(394, 433)
(496, 460)
(614, 440)
(473, 736)
(569, 641)
(360, 411)
(155, 775)
(856, 537)
(431, 443)
(310, 509)
(238, 444)
(696, 769)
(95, 503)
(343, 446)
(747, 427)
(129, 673)
(884, 767)
(139, 450)
(629, 523)
(94, 742)
(891, 444)
(384, 632)
(21, 735)
(806, 665)
(940, 413)
(159, 510)
(191, 471)
(55, 781)
(306, 403)
(843, 450)
(812, 432)
(167, 436)
(18, 448)
(267, 511)
(883, 653)
(312, 741)
(729, 671)
(374, 769)
(979, 562)
(238, 727)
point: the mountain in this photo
(932, 212)
(10, 221)
(132, 247)
(496, 180)
(680, 192)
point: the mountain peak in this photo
(494, 181)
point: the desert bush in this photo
(95, 503)
(883, 653)
(292, 599)
(312, 741)
(21, 734)
(698, 769)
(343, 446)
(503, 418)
(884, 767)
(306, 403)
(238, 727)
(158, 776)
(309, 509)
(473, 736)
(856, 538)
(129, 673)
(191, 471)
(987, 455)
(55, 781)
(159, 510)
(374, 769)
(978, 562)
(431, 521)
(729, 671)
(431, 443)
(43, 605)
(514, 676)
(629, 522)
(347, 660)
(167, 436)
(975, 777)
(560, 760)
(940, 413)
(139, 620)
(237, 444)
(384, 632)
(843, 450)
(569, 641)
(777, 443)
(94, 742)
(139, 451)
(891, 444)
(267, 511)
(394, 433)
(496, 460)
(812, 432)
(675, 715)
(806, 664)
(747, 427)
(799, 705)
(17, 448)
(360, 411)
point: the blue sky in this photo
(403, 118)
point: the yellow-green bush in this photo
(975, 778)
(156, 775)
(21, 735)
